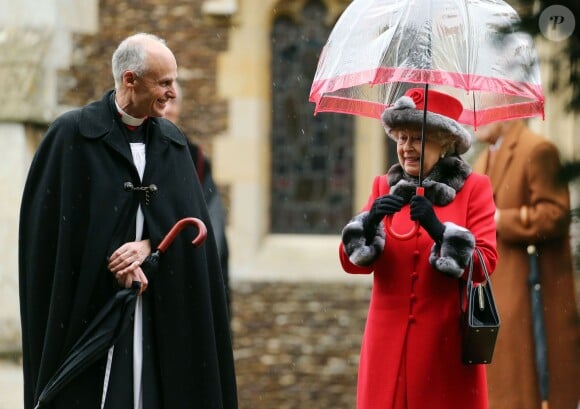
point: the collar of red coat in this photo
(441, 185)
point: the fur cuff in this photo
(353, 239)
(453, 254)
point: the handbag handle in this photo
(469, 281)
(482, 262)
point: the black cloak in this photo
(75, 212)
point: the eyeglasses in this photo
(414, 139)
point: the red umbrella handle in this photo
(405, 236)
(180, 225)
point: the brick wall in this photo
(296, 345)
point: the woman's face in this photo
(409, 151)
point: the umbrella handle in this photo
(404, 236)
(180, 225)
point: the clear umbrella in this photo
(466, 48)
(469, 49)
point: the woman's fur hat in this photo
(442, 113)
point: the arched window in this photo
(312, 156)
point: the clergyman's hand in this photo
(125, 263)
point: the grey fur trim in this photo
(353, 239)
(404, 112)
(441, 185)
(453, 254)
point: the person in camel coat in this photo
(411, 349)
(533, 207)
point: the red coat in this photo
(412, 341)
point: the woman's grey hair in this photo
(130, 55)
(446, 139)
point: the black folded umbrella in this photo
(111, 321)
(538, 324)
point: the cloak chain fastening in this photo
(148, 190)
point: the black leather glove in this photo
(382, 206)
(422, 212)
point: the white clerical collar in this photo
(128, 119)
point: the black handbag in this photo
(480, 319)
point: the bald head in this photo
(132, 53)
(145, 72)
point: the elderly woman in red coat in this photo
(411, 350)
